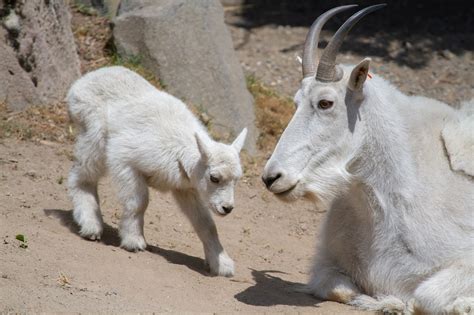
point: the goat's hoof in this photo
(91, 232)
(223, 266)
(94, 237)
(133, 243)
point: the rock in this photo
(12, 22)
(188, 46)
(38, 58)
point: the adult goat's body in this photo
(401, 223)
(399, 233)
(144, 137)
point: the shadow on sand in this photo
(111, 237)
(271, 290)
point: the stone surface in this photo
(38, 58)
(188, 46)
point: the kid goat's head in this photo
(315, 149)
(218, 171)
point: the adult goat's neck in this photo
(384, 162)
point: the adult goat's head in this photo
(313, 152)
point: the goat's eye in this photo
(214, 179)
(325, 104)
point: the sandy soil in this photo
(271, 242)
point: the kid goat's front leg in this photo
(219, 262)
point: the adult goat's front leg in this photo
(329, 283)
(220, 263)
(448, 291)
(133, 193)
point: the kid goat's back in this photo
(145, 137)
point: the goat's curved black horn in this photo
(327, 63)
(312, 40)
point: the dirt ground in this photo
(272, 243)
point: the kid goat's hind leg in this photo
(87, 169)
(219, 262)
(133, 193)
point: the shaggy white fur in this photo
(458, 137)
(399, 233)
(144, 137)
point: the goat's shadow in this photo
(111, 237)
(271, 290)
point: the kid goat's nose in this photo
(228, 209)
(269, 179)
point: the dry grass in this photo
(37, 123)
(93, 37)
(63, 280)
(273, 113)
(92, 34)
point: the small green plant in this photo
(22, 239)
(60, 180)
(84, 9)
(134, 63)
(162, 83)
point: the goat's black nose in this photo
(269, 180)
(228, 209)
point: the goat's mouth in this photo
(285, 193)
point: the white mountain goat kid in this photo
(396, 173)
(144, 137)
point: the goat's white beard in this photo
(321, 185)
(329, 182)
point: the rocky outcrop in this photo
(38, 58)
(187, 45)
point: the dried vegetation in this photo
(93, 35)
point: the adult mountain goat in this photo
(145, 137)
(395, 172)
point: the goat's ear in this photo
(359, 75)
(202, 146)
(240, 140)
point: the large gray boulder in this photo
(38, 58)
(188, 46)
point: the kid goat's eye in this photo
(325, 104)
(214, 179)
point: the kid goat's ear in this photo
(359, 75)
(202, 146)
(240, 140)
